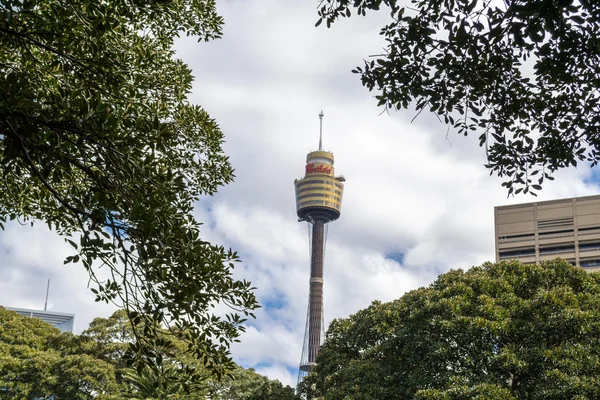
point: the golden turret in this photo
(320, 191)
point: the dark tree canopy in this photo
(523, 75)
(98, 141)
(499, 331)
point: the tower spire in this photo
(321, 115)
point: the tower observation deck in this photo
(318, 202)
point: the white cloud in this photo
(29, 256)
(279, 372)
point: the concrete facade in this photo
(544, 230)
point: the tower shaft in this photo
(315, 311)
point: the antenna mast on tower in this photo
(321, 115)
(47, 291)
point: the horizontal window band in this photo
(327, 196)
(329, 182)
(589, 228)
(517, 253)
(318, 188)
(517, 236)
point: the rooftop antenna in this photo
(321, 115)
(47, 290)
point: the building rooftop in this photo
(62, 321)
(548, 202)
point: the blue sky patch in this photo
(396, 256)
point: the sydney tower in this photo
(318, 202)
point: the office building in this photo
(544, 230)
(62, 321)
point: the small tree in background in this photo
(38, 361)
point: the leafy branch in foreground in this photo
(98, 140)
(521, 74)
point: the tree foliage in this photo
(98, 140)
(109, 336)
(521, 74)
(38, 361)
(246, 384)
(499, 331)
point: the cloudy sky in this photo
(416, 203)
